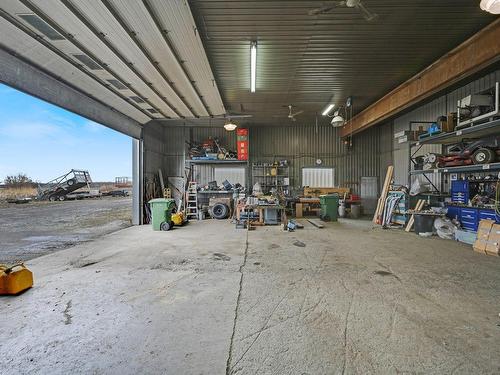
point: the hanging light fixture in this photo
(338, 120)
(230, 126)
(491, 6)
(253, 66)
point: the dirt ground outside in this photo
(30, 230)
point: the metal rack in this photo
(474, 131)
(262, 174)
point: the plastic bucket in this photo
(355, 211)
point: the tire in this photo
(165, 226)
(53, 198)
(483, 156)
(62, 198)
(220, 211)
(71, 182)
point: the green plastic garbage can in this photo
(161, 213)
(329, 207)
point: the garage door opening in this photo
(64, 179)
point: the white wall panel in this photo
(318, 177)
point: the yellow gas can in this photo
(178, 218)
(15, 279)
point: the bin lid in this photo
(161, 200)
(330, 196)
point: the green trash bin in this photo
(329, 207)
(161, 213)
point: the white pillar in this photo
(137, 176)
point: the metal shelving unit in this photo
(461, 169)
(473, 132)
(262, 175)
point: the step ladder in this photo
(192, 200)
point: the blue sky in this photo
(45, 141)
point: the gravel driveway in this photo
(30, 230)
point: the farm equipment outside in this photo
(60, 187)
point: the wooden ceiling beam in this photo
(473, 55)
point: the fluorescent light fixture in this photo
(337, 121)
(253, 66)
(328, 109)
(491, 6)
(229, 126)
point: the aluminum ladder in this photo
(192, 200)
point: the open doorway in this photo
(64, 179)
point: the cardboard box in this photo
(451, 121)
(483, 233)
(493, 244)
(488, 238)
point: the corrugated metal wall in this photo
(154, 149)
(300, 145)
(373, 150)
(430, 112)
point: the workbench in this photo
(260, 208)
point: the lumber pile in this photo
(317, 191)
(377, 217)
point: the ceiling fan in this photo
(291, 115)
(367, 14)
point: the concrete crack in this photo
(345, 333)
(238, 299)
(67, 315)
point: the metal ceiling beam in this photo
(25, 77)
(472, 56)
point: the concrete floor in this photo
(205, 299)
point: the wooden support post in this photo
(383, 196)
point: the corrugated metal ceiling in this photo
(304, 59)
(145, 56)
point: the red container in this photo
(242, 131)
(242, 143)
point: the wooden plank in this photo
(316, 191)
(420, 204)
(473, 55)
(316, 223)
(299, 210)
(383, 196)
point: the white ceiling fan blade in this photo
(296, 113)
(369, 16)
